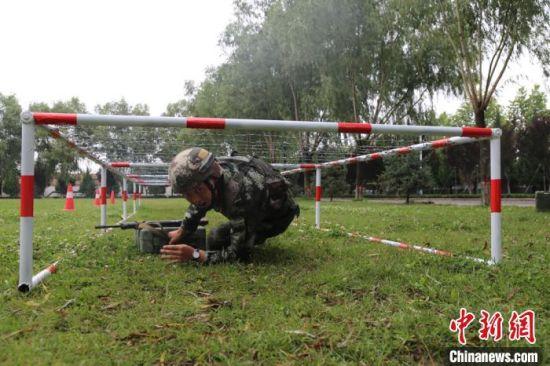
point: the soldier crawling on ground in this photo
(249, 192)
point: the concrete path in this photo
(520, 202)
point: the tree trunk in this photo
(483, 159)
(357, 181)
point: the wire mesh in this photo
(160, 145)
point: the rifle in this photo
(150, 236)
(135, 225)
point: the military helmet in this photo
(191, 166)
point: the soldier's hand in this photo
(176, 236)
(178, 253)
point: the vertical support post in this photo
(124, 198)
(140, 189)
(26, 219)
(420, 139)
(103, 196)
(134, 196)
(496, 224)
(318, 194)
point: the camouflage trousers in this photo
(273, 225)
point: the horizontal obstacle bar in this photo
(430, 145)
(416, 247)
(252, 124)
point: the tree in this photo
(11, 183)
(334, 182)
(117, 143)
(527, 132)
(534, 153)
(349, 60)
(55, 159)
(87, 185)
(405, 175)
(63, 181)
(485, 35)
(465, 159)
(10, 142)
(444, 174)
(525, 107)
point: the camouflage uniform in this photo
(256, 200)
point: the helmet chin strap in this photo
(212, 188)
(213, 184)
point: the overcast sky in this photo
(102, 50)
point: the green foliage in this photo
(129, 140)
(177, 109)
(444, 173)
(524, 108)
(11, 183)
(87, 185)
(534, 157)
(307, 297)
(327, 60)
(527, 132)
(55, 159)
(334, 182)
(63, 180)
(405, 175)
(121, 107)
(10, 144)
(484, 37)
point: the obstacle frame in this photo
(29, 121)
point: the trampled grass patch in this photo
(308, 296)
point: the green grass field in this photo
(308, 297)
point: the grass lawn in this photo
(308, 297)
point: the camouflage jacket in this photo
(246, 195)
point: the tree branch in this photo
(480, 50)
(465, 58)
(490, 94)
(420, 98)
(492, 69)
(394, 108)
(461, 71)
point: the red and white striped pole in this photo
(318, 194)
(103, 197)
(45, 273)
(124, 198)
(134, 196)
(254, 124)
(127, 164)
(148, 176)
(281, 166)
(496, 223)
(431, 145)
(26, 221)
(401, 245)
